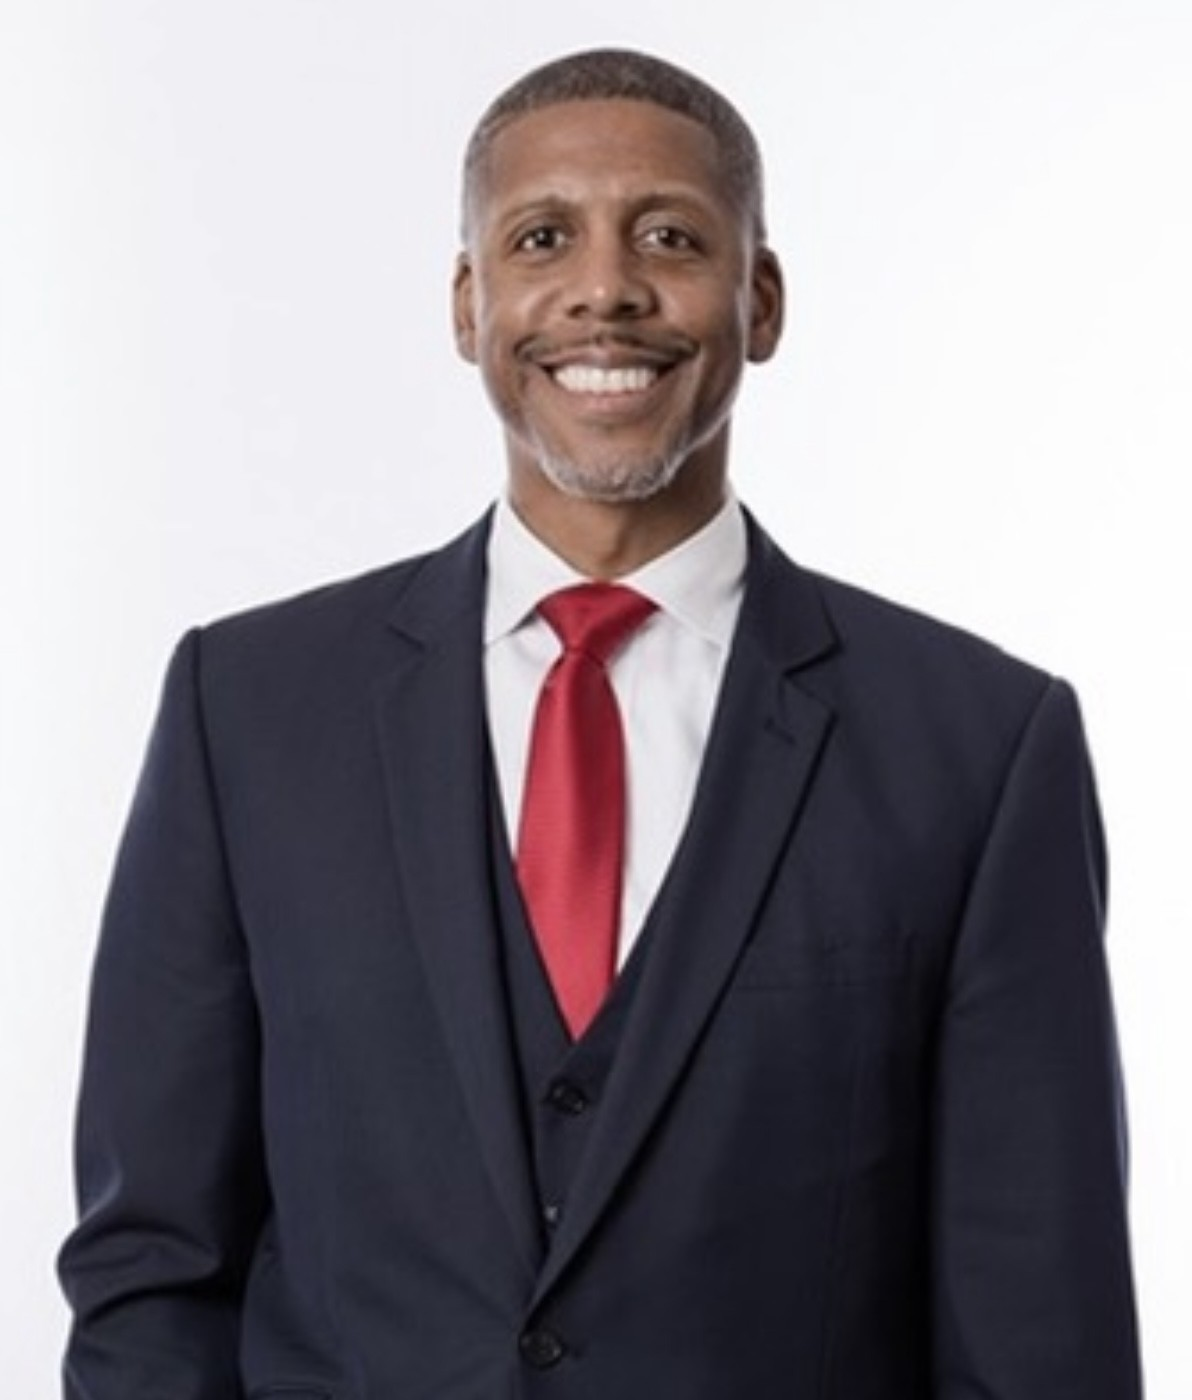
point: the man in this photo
(375, 1107)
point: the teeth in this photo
(588, 379)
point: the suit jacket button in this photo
(542, 1348)
(567, 1097)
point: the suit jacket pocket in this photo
(290, 1391)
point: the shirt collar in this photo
(698, 582)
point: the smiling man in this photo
(600, 958)
(613, 286)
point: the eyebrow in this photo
(555, 201)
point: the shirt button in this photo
(567, 1097)
(552, 1213)
(541, 1348)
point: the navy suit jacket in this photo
(862, 1139)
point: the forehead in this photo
(584, 149)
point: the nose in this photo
(608, 282)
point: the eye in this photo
(542, 238)
(671, 238)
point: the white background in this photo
(226, 233)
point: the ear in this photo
(463, 307)
(768, 305)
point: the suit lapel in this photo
(433, 739)
(760, 759)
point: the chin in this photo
(610, 483)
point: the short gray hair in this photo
(614, 74)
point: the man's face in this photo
(611, 292)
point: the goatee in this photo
(624, 481)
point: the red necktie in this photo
(570, 849)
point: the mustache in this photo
(662, 346)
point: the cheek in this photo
(727, 352)
(507, 380)
(507, 305)
(723, 325)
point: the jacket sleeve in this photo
(1032, 1283)
(169, 1166)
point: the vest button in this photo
(541, 1348)
(552, 1213)
(567, 1097)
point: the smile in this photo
(592, 379)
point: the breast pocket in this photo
(285, 1391)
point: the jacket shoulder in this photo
(900, 638)
(338, 618)
(332, 605)
(877, 641)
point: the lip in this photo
(607, 362)
(607, 352)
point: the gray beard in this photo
(630, 481)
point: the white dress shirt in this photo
(666, 679)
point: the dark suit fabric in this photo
(861, 1135)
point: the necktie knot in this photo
(595, 618)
